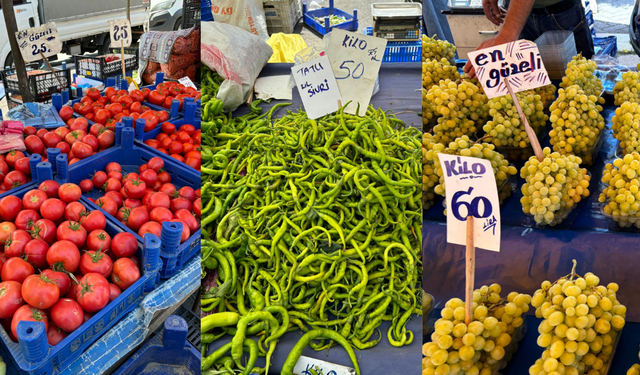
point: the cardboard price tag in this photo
(120, 31)
(317, 86)
(471, 191)
(306, 364)
(355, 60)
(38, 41)
(518, 61)
(187, 82)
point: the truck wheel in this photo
(178, 24)
(8, 61)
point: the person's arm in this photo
(517, 15)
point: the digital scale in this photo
(398, 22)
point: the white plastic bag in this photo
(237, 55)
(246, 14)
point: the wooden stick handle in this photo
(51, 68)
(124, 74)
(533, 138)
(470, 271)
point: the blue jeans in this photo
(573, 19)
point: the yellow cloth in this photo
(285, 47)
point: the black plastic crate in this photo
(42, 85)
(190, 13)
(98, 68)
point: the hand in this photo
(493, 12)
(499, 39)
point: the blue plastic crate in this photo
(168, 352)
(350, 24)
(399, 51)
(130, 155)
(35, 356)
(48, 119)
(205, 10)
(189, 118)
(607, 45)
(160, 79)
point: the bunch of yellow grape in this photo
(628, 88)
(433, 48)
(577, 123)
(635, 369)
(581, 323)
(580, 71)
(434, 71)
(621, 195)
(506, 127)
(459, 107)
(429, 177)
(552, 186)
(547, 94)
(481, 345)
(626, 127)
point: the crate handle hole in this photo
(29, 330)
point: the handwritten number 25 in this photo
(357, 72)
(119, 33)
(37, 50)
(472, 207)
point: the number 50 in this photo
(357, 72)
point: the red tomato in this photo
(114, 292)
(33, 199)
(34, 144)
(108, 204)
(67, 314)
(96, 261)
(102, 115)
(149, 123)
(14, 246)
(137, 218)
(135, 188)
(81, 124)
(132, 203)
(180, 204)
(152, 143)
(114, 108)
(91, 141)
(50, 187)
(125, 273)
(93, 292)
(74, 211)
(106, 139)
(159, 199)
(29, 314)
(9, 207)
(64, 147)
(93, 93)
(150, 227)
(62, 131)
(72, 231)
(14, 179)
(113, 166)
(36, 252)
(95, 220)
(166, 142)
(86, 185)
(65, 253)
(168, 189)
(124, 245)
(116, 196)
(189, 129)
(51, 139)
(4, 168)
(193, 163)
(156, 97)
(109, 92)
(74, 136)
(95, 129)
(16, 269)
(41, 132)
(155, 163)
(115, 174)
(161, 214)
(186, 232)
(188, 147)
(44, 229)
(175, 147)
(188, 218)
(30, 130)
(12, 156)
(61, 279)
(40, 291)
(110, 125)
(66, 113)
(55, 334)
(6, 228)
(10, 298)
(98, 240)
(164, 177)
(52, 209)
(183, 137)
(69, 192)
(168, 128)
(188, 193)
(82, 150)
(178, 157)
(22, 165)
(24, 217)
(99, 179)
(112, 184)
(126, 101)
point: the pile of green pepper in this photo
(211, 106)
(311, 225)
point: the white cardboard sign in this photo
(120, 31)
(355, 60)
(39, 39)
(305, 364)
(518, 61)
(317, 86)
(187, 82)
(471, 191)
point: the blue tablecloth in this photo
(531, 254)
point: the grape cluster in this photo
(459, 107)
(434, 71)
(626, 127)
(476, 348)
(577, 123)
(628, 88)
(582, 320)
(580, 71)
(506, 127)
(429, 177)
(552, 186)
(463, 146)
(621, 195)
(635, 369)
(547, 94)
(433, 48)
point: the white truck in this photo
(83, 25)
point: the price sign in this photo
(306, 364)
(120, 33)
(38, 41)
(355, 60)
(317, 86)
(518, 61)
(187, 82)
(471, 191)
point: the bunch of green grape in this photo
(547, 93)
(621, 194)
(429, 177)
(552, 186)
(459, 107)
(433, 48)
(626, 127)
(463, 146)
(580, 71)
(582, 320)
(506, 127)
(477, 347)
(577, 123)
(628, 88)
(434, 71)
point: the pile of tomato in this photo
(143, 200)
(15, 170)
(59, 265)
(182, 145)
(166, 92)
(76, 139)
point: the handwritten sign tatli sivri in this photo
(38, 42)
(355, 60)
(518, 61)
(317, 87)
(470, 188)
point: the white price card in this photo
(36, 41)
(120, 31)
(306, 364)
(355, 60)
(519, 61)
(471, 191)
(187, 82)
(317, 86)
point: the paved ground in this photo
(613, 18)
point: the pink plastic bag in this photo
(10, 142)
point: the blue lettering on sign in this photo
(353, 42)
(36, 36)
(317, 67)
(356, 73)
(507, 70)
(463, 168)
(472, 208)
(318, 370)
(320, 88)
(490, 224)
